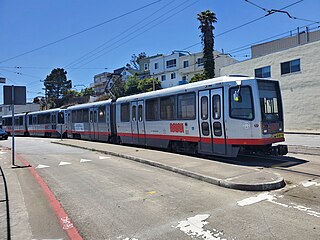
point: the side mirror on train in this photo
(237, 95)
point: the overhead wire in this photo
(92, 52)
(80, 32)
(139, 34)
(244, 24)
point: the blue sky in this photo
(162, 27)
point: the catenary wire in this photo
(80, 32)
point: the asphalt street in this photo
(108, 197)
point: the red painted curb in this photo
(62, 216)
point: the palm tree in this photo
(207, 18)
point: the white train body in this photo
(224, 116)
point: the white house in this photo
(179, 67)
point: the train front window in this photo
(242, 107)
(270, 101)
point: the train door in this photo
(205, 144)
(93, 123)
(134, 123)
(141, 126)
(217, 121)
(211, 124)
(35, 124)
(53, 121)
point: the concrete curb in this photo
(279, 183)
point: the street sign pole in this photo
(12, 124)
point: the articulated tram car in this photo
(20, 124)
(91, 121)
(48, 123)
(224, 116)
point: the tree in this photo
(131, 86)
(198, 77)
(149, 84)
(134, 62)
(207, 18)
(56, 85)
(87, 91)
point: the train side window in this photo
(95, 117)
(20, 121)
(134, 113)
(91, 116)
(187, 106)
(53, 116)
(216, 107)
(85, 115)
(125, 112)
(204, 108)
(242, 109)
(167, 108)
(30, 120)
(152, 111)
(205, 128)
(217, 129)
(140, 115)
(60, 117)
(102, 114)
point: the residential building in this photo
(126, 72)
(144, 66)
(101, 81)
(179, 67)
(294, 61)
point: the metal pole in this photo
(12, 125)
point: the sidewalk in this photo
(214, 172)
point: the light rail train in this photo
(223, 116)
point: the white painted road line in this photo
(272, 198)
(64, 163)
(310, 183)
(193, 227)
(102, 157)
(42, 166)
(85, 160)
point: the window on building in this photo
(200, 62)
(185, 64)
(146, 67)
(163, 77)
(243, 107)
(290, 66)
(186, 106)
(152, 109)
(173, 75)
(171, 63)
(167, 108)
(184, 78)
(264, 72)
(156, 65)
(125, 112)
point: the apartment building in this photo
(179, 67)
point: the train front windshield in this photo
(270, 101)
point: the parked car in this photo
(3, 134)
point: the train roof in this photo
(190, 86)
(16, 115)
(86, 105)
(47, 111)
